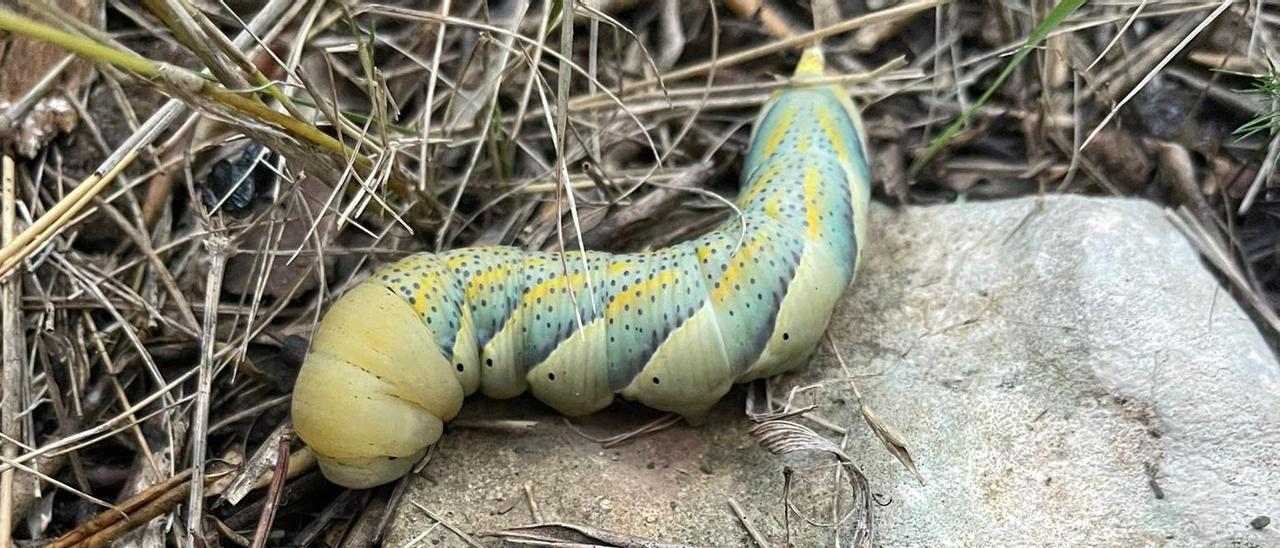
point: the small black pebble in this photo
(1260, 522)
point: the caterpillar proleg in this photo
(673, 329)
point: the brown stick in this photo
(159, 189)
(132, 512)
(273, 494)
(156, 508)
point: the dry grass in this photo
(154, 320)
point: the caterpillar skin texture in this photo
(674, 329)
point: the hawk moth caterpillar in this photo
(674, 329)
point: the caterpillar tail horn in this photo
(374, 391)
(812, 63)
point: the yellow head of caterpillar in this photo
(374, 390)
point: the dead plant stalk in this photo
(11, 407)
(217, 247)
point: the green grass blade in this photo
(1055, 18)
(1266, 85)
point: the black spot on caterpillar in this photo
(674, 329)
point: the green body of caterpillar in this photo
(673, 329)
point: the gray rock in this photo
(1067, 375)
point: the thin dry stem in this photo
(13, 358)
(756, 537)
(217, 248)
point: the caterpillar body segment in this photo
(673, 329)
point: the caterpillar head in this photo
(374, 390)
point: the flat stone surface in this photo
(1066, 375)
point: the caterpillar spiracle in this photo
(673, 329)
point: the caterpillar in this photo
(392, 359)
